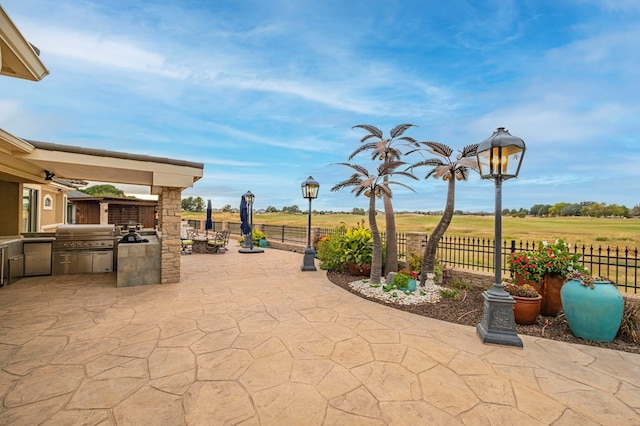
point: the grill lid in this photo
(83, 230)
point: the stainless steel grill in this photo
(80, 249)
(84, 237)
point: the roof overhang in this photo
(18, 57)
(12, 168)
(72, 162)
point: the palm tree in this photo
(443, 167)
(384, 149)
(373, 186)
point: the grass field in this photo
(575, 230)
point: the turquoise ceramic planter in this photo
(593, 314)
(412, 284)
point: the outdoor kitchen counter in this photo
(139, 263)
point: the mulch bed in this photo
(468, 311)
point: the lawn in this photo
(575, 230)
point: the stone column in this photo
(416, 242)
(169, 218)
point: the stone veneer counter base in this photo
(139, 263)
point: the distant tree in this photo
(635, 211)
(227, 208)
(199, 204)
(272, 209)
(292, 210)
(556, 209)
(449, 170)
(539, 210)
(571, 210)
(617, 211)
(358, 211)
(104, 191)
(188, 204)
(506, 212)
(458, 212)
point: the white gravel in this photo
(429, 294)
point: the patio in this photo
(253, 340)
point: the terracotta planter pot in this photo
(520, 280)
(551, 301)
(526, 309)
(362, 269)
(549, 289)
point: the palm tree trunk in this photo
(429, 258)
(391, 260)
(376, 261)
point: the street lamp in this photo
(499, 158)
(247, 246)
(310, 190)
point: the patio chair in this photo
(187, 243)
(219, 242)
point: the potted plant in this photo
(528, 302)
(411, 278)
(593, 306)
(357, 250)
(546, 269)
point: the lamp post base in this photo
(250, 250)
(308, 261)
(498, 325)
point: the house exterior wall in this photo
(11, 196)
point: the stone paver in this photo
(252, 340)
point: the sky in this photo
(265, 93)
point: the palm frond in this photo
(399, 130)
(371, 129)
(439, 172)
(439, 149)
(469, 163)
(431, 162)
(393, 182)
(409, 140)
(469, 150)
(358, 168)
(361, 148)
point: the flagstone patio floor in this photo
(249, 339)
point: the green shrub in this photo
(449, 293)
(330, 252)
(460, 284)
(256, 235)
(401, 280)
(415, 262)
(357, 246)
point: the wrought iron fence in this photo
(286, 234)
(619, 265)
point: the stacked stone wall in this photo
(169, 218)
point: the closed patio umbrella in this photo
(244, 217)
(209, 223)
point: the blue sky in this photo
(265, 93)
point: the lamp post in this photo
(310, 190)
(499, 158)
(247, 246)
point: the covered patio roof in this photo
(73, 162)
(18, 57)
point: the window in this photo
(29, 210)
(47, 202)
